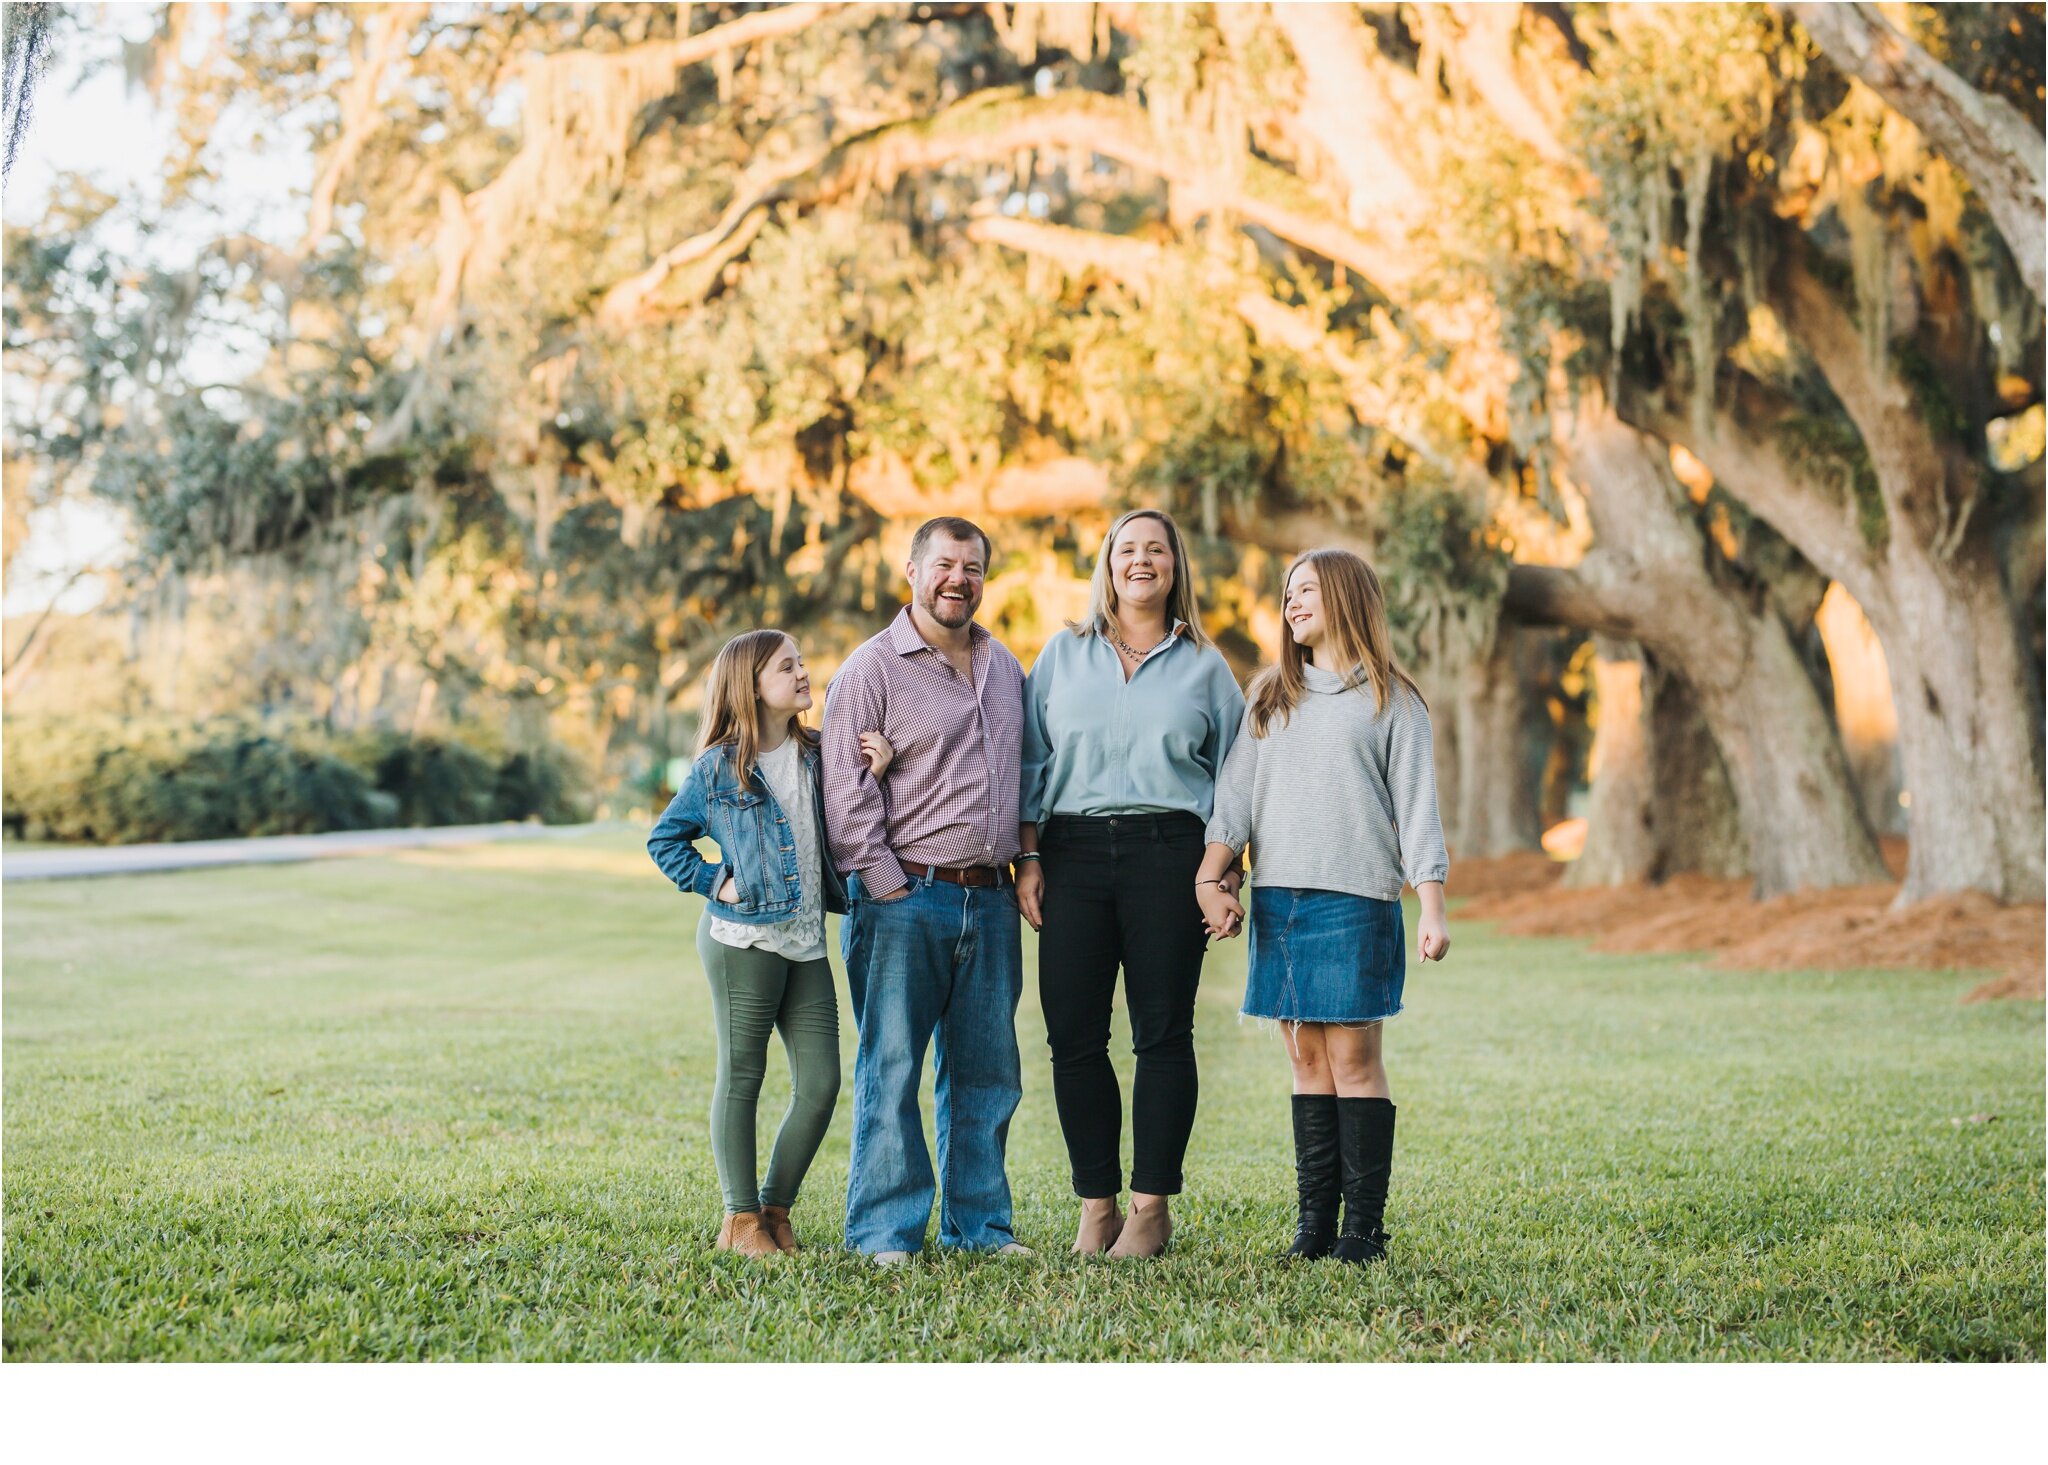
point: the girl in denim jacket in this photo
(754, 790)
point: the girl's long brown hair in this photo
(1181, 603)
(1355, 618)
(732, 701)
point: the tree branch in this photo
(996, 125)
(27, 655)
(1142, 266)
(1346, 108)
(1740, 450)
(1984, 136)
(1545, 595)
(1485, 55)
(1922, 496)
(475, 228)
(382, 40)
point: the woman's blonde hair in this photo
(1181, 603)
(1355, 615)
(732, 698)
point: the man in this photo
(930, 939)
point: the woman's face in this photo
(1303, 606)
(784, 686)
(1141, 564)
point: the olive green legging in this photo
(754, 993)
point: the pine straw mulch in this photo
(1826, 930)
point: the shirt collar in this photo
(1180, 632)
(904, 637)
(1179, 628)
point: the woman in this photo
(1334, 782)
(754, 789)
(1128, 715)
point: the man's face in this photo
(947, 582)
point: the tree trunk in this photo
(1965, 740)
(1694, 819)
(1496, 787)
(1654, 576)
(1440, 689)
(1694, 810)
(1936, 595)
(1968, 730)
(1621, 842)
(1662, 802)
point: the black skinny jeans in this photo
(1120, 891)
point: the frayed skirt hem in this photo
(1277, 1019)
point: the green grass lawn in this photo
(451, 1105)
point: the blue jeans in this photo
(947, 961)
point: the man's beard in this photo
(952, 614)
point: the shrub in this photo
(548, 785)
(101, 782)
(108, 781)
(437, 782)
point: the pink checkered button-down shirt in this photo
(950, 796)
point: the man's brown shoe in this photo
(744, 1234)
(775, 1220)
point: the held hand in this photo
(1233, 880)
(728, 891)
(1222, 916)
(1432, 939)
(1031, 893)
(878, 751)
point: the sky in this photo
(88, 120)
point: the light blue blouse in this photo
(1097, 744)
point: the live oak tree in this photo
(1842, 334)
(614, 328)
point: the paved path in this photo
(141, 859)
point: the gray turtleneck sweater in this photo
(1340, 797)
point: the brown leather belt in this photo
(976, 875)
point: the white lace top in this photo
(802, 936)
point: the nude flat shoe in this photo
(1146, 1232)
(1096, 1234)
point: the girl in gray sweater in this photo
(1332, 781)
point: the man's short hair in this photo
(952, 527)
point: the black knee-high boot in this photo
(1317, 1174)
(1365, 1138)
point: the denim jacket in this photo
(756, 845)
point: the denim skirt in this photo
(1324, 956)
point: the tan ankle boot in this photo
(1146, 1231)
(1097, 1233)
(744, 1234)
(775, 1220)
